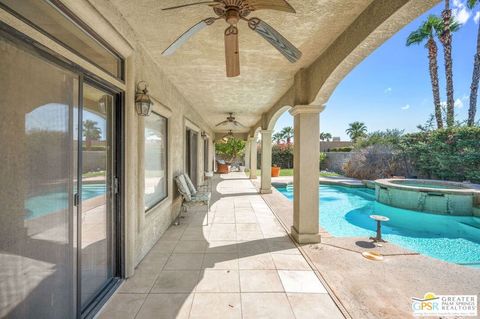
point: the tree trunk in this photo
(433, 64)
(447, 52)
(474, 87)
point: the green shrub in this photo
(282, 155)
(449, 154)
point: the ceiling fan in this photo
(233, 11)
(230, 119)
(228, 136)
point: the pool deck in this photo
(376, 289)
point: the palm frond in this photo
(471, 4)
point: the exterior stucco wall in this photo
(170, 103)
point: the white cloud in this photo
(406, 107)
(460, 12)
(477, 17)
(458, 103)
(388, 91)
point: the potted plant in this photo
(275, 170)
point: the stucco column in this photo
(247, 153)
(306, 173)
(253, 158)
(266, 185)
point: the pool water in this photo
(42, 205)
(344, 212)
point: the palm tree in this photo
(91, 132)
(325, 136)
(277, 137)
(476, 73)
(356, 131)
(287, 133)
(426, 32)
(446, 38)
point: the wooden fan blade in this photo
(232, 56)
(279, 5)
(193, 4)
(276, 39)
(222, 123)
(187, 35)
(238, 124)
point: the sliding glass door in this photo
(57, 186)
(38, 110)
(96, 260)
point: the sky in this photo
(391, 88)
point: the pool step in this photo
(474, 225)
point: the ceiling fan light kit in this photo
(233, 11)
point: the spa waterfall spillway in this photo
(433, 196)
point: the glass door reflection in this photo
(96, 260)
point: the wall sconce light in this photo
(143, 103)
(204, 135)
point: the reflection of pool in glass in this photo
(344, 212)
(42, 205)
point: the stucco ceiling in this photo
(198, 68)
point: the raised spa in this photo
(440, 197)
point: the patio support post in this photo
(247, 153)
(306, 161)
(266, 182)
(253, 157)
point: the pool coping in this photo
(466, 188)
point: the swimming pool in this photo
(344, 212)
(45, 204)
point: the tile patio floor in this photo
(241, 265)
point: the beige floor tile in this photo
(282, 247)
(195, 233)
(218, 247)
(314, 306)
(177, 281)
(223, 232)
(216, 306)
(266, 306)
(122, 306)
(301, 281)
(152, 265)
(249, 235)
(191, 246)
(224, 218)
(184, 262)
(166, 306)
(163, 247)
(252, 247)
(260, 281)
(245, 217)
(140, 283)
(221, 261)
(290, 262)
(248, 227)
(174, 233)
(213, 280)
(260, 261)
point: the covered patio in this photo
(242, 264)
(77, 74)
